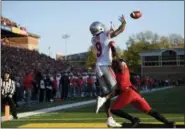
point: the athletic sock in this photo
(158, 116)
(107, 106)
(122, 114)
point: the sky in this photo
(52, 19)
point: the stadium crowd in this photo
(41, 78)
(29, 69)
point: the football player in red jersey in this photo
(128, 94)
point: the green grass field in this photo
(169, 102)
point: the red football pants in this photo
(129, 96)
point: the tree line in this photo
(137, 43)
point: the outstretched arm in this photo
(114, 53)
(121, 27)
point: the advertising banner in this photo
(23, 32)
(16, 30)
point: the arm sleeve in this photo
(112, 44)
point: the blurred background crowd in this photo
(43, 79)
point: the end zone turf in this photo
(167, 102)
(95, 125)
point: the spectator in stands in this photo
(77, 88)
(17, 95)
(138, 82)
(90, 85)
(42, 90)
(34, 90)
(28, 86)
(146, 83)
(80, 86)
(75, 85)
(84, 88)
(48, 84)
(58, 77)
(166, 82)
(94, 85)
(54, 91)
(65, 82)
(38, 77)
(72, 86)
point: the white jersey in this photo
(103, 50)
(85, 79)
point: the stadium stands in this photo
(20, 61)
(17, 35)
(6, 21)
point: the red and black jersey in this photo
(123, 78)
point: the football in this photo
(136, 14)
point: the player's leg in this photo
(123, 100)
(106, 91)
(108, 84)
(12, 107)
(105, 81)
(141, 104)
(161, 118)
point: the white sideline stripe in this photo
(36, 112)
(67, 106)
(84, 119)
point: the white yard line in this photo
(67, 106)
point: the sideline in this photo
(67, 106)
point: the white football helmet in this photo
(97, 27)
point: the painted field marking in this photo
(77, 125)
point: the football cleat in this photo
(135, 122)
(111, 123)
(171, 124)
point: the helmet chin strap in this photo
(99, 33)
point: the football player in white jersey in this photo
(102, 42)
